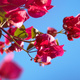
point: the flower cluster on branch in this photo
(12, 16)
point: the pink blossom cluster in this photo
(17, 15)
(47, 49)
(46, 45)
(13, 13)
(72, 26)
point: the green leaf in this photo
(2, 12)
(34, 32)
(30, 46)
(2, 15)
(20, 32)
(22, 27)
(57, 42)
(1, 19)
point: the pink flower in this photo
(9, 69)
(52, 31)
(17, 2)
(39, 60)
(52, 51)
(41, 2)
(11, 31)
(11, 4)
(3, 2)
(45, 3)
(44, 39)
(15, 47)
(1, 47)
(36, 11)
(38, 8)
(72, 27)
(17, 17)
(28, 31)
(47, 49)
(28, 3)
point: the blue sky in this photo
(66, 67)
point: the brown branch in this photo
(6, 37)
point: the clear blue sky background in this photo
(66, 67)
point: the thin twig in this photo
(31, 48)
(6, 37)
(33, 51)
(20, 39)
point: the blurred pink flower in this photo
(9, 69)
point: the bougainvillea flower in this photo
(9, 69)
(39, 60)
(52, 51)
(45, 3)
(47, 49)
(39, 8)
(11, 31)
(17, 2)
(1, 47)
(36, 11)
(17, 17)
(72, 27)
(3, 2)
(48, 5)
(48, 52)
(28, 31)
(29, 3)
(15, 47)
(41, 2)
(9, 5)
(52, 31)
(44, 39)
